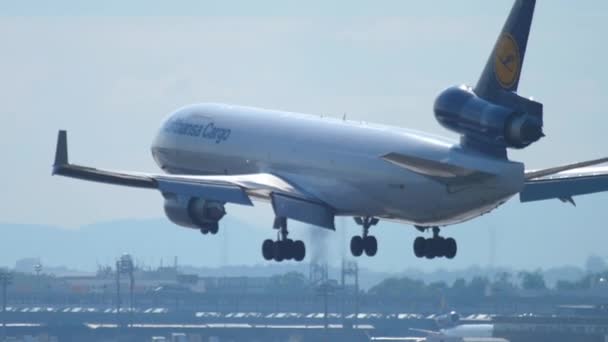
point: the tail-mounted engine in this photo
(194, 212)
(509, 121)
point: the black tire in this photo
(287, 249)
(356, 246)
(299, 250)
(268, 249)
(214, 228)
(204, 231)
(278, 254)
(370, 245)
(430, 251)
(451, 248)
(420, 247)
(440, 247)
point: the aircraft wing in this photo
(287, 200)
(565, 182)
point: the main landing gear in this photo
(283, 248)
(435, 247)
(364, 243)
(210, 228)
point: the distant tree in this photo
(399, 287)
(470, 291)
(503, 283)
(504, 277)
(459, 284)
(438, 286)
(289, 281)
(458, 288)
(564, 285)
(478, 286)
(532, 280)
(584, 283)
(595, 264)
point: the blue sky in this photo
(235, 8)
(110, 71)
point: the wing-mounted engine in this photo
(194, 212)
(509, 121)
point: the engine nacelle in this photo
(460, 110)
(194, 212)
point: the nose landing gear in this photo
(364, 243)
(435, 247)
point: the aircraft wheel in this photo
(287, 248)
(278, 251)
(204, 231)
(431, 249)
(356, 246)
(268, 249)
(299, 250)
(370, 245)
(214, 228)
(440, 247)
(420, 247)
(451, 248)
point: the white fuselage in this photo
(336, 161)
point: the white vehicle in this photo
(313, 169)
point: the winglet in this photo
(61, 153)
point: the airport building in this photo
(165, 304)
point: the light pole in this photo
(326, 289)
(6, 278)
(38, 270)
(117, 293)
(125, 265)
(351, 269)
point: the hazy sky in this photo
(109, 71)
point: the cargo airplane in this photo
(313, 169)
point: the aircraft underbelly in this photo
(457, 208)
(431, 204)
(412, 199)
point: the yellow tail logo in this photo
(507, 61)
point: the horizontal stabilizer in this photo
(565, 185)
(550, 171)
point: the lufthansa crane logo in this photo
(507, 62)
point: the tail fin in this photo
(503, 68)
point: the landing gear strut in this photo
(435, 247)
(364, 243)
(283, 248)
